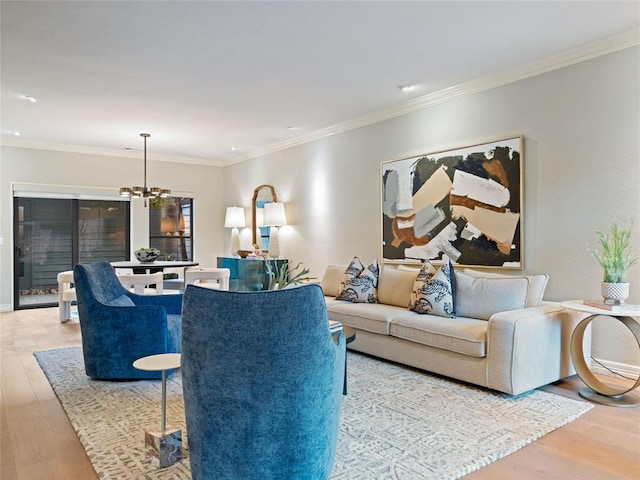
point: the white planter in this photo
(615, 293)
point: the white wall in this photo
(74, 172)
(581, 127)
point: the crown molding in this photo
(583, 53)
(103, 151)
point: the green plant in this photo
(284, 275)
(615, 256)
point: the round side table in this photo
(598, 391)
(164, 448)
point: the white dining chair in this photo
(217, 278)
(141, 281)
(66, 295)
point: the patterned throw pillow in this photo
(353, 270)
(434, 291)
(360, 284)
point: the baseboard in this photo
(6, 307)
(624, 369)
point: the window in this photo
(51, 235)
(170, 227)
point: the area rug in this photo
(396, 422)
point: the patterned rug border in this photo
(406, 440)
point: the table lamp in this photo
(274, 217)
(234, 219)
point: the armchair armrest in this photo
(530, 347)
(121, 336)
(171, 302)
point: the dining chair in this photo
(141, 281)
(208, 277)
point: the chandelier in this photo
(137, 192)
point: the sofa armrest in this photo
(530, 347)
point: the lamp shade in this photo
(234, 217)
(274, 215)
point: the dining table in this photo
(152, 267)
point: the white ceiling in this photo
(203, 77)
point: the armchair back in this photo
(262, 380)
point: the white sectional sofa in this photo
(489, 343)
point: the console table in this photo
(598, 391)
(249, 274)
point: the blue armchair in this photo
(118, 326)
(262, 380)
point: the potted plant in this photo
(284, 276)
(616, 258)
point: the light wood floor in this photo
(38, 442)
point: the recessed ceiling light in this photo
(293, 128)
(30, 98)
(234, 148)
(407, 88)
(15, 134)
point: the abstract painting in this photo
(464, 204)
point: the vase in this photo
(615, 293)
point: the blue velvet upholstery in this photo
(118, 326)
(262, 380)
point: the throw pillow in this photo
(352, 271)
(481, 297)
(331, 282)
(434, 291)
(537, 284)
(363, 287)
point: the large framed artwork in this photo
(465, 204)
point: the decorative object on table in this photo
(147, 254)
(164, 448)
(464, 203)
(234, 219)
(274, 217)
(615, 258)
(144, 192)
(281, 276)
(244, 253)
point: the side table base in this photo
(163, 448)
(625, 400)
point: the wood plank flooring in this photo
(38, 442)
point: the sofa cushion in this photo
(374, 318)
(537, 284)
(462, 335)
(363, 287)
(332, 278)
(395, 285)
(481, 297)
(434, 291)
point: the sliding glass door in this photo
(51, 235)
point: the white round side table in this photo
(164, 448)
(598, 391)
